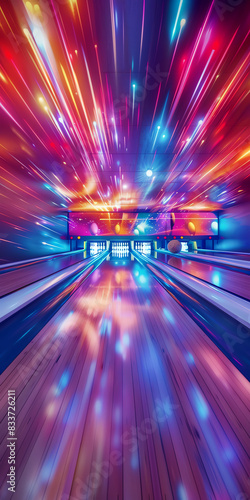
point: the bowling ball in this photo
(175, 262)
(94, 229)
(172, 220)
(174, 246)
(117, 228)
(191, 228)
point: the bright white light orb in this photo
(214, 226)
(39, 36)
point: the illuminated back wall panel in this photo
(140, 224)
(194, 224)
(118, 224)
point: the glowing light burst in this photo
(77, 110)
(177, 17)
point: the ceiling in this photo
(124, 105)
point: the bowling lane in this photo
(122, 396)
(232, 281)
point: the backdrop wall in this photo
(235, 229)
(32, 237)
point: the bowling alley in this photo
(124, 250)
